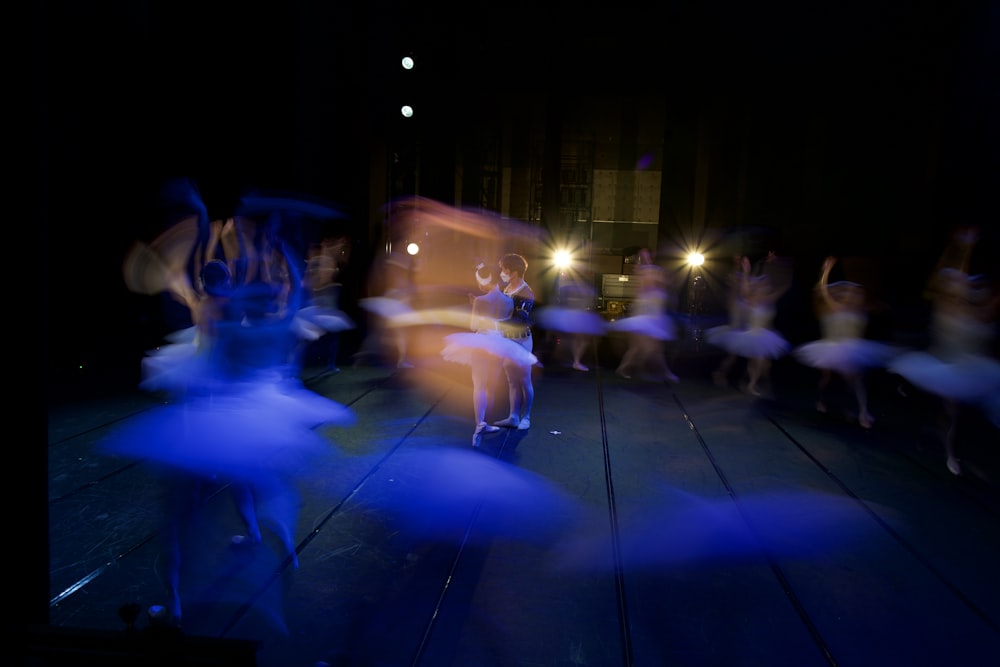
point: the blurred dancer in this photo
(486, 349)
(321, 319)
(574, 317)
(958, 367)
(236, 416)
(760, 344)
(517, 327)
(736, 308)
(650, 327)
(395, 271)
(843, 349)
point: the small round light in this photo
(412, 248)
(407, 62)
(406, 110)
(696, 259)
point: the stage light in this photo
(562, 259)
(695, 259)
(412, 248)
(406, 110)
(407, 62)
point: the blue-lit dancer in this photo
(235, 416)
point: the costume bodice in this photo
(652, 302)
(955, 335)
(760, 316)
(843, 324)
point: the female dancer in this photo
(843, 348)
(958, 366)
(237, 416)
(574, 317)
(736, 308)
(760, 344)
(649, 327)
(517, 327)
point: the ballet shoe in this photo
(954, 466)
(577, 366)
(622, 374)
(670, 377)
(481, 428)
(866, 421)
(524, 424)
(509, 422)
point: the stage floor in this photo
(634, 523)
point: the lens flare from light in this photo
(562, 259)
(695, 259)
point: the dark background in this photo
(899, 99)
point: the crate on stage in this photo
(619, 286)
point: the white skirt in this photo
(848, 355)
(460, 348)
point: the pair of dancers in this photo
(499, 341)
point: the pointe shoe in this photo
(866, 420)
(481, 428)
(670, 377)
(577, 366)
(509, 422)
(524, 424)
(622, 374)
(954, 466)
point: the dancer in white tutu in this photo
(236, 416)
(520, 389)
(958, 367)
(486, 349)
(395, 271)
(736, 308)
(760, 344)
(843, 348)
(574, 316)
(649, 327)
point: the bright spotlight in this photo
(412, 248)
(562, 259)
(695, 259)
(406, 110)
(407, 62)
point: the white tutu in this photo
(719, 336)
(971, 378)
(254, 432)
(460, 348)
(179, 367)
(847, 355)
(329, 319)
(385, 306)
(758, 343)
(660, 327)
(571, 320)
